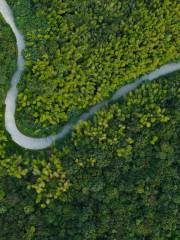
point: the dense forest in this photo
(115, 176)
(80, 53)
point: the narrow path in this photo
(42, 143)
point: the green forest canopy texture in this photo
(115, 177)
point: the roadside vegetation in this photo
(78, 54)
(116, 175)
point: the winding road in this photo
(42, 143)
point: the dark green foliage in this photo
(118, 174)
(7, 60)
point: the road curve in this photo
(45, 142)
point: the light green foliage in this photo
(49, 173)
(86, 51)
